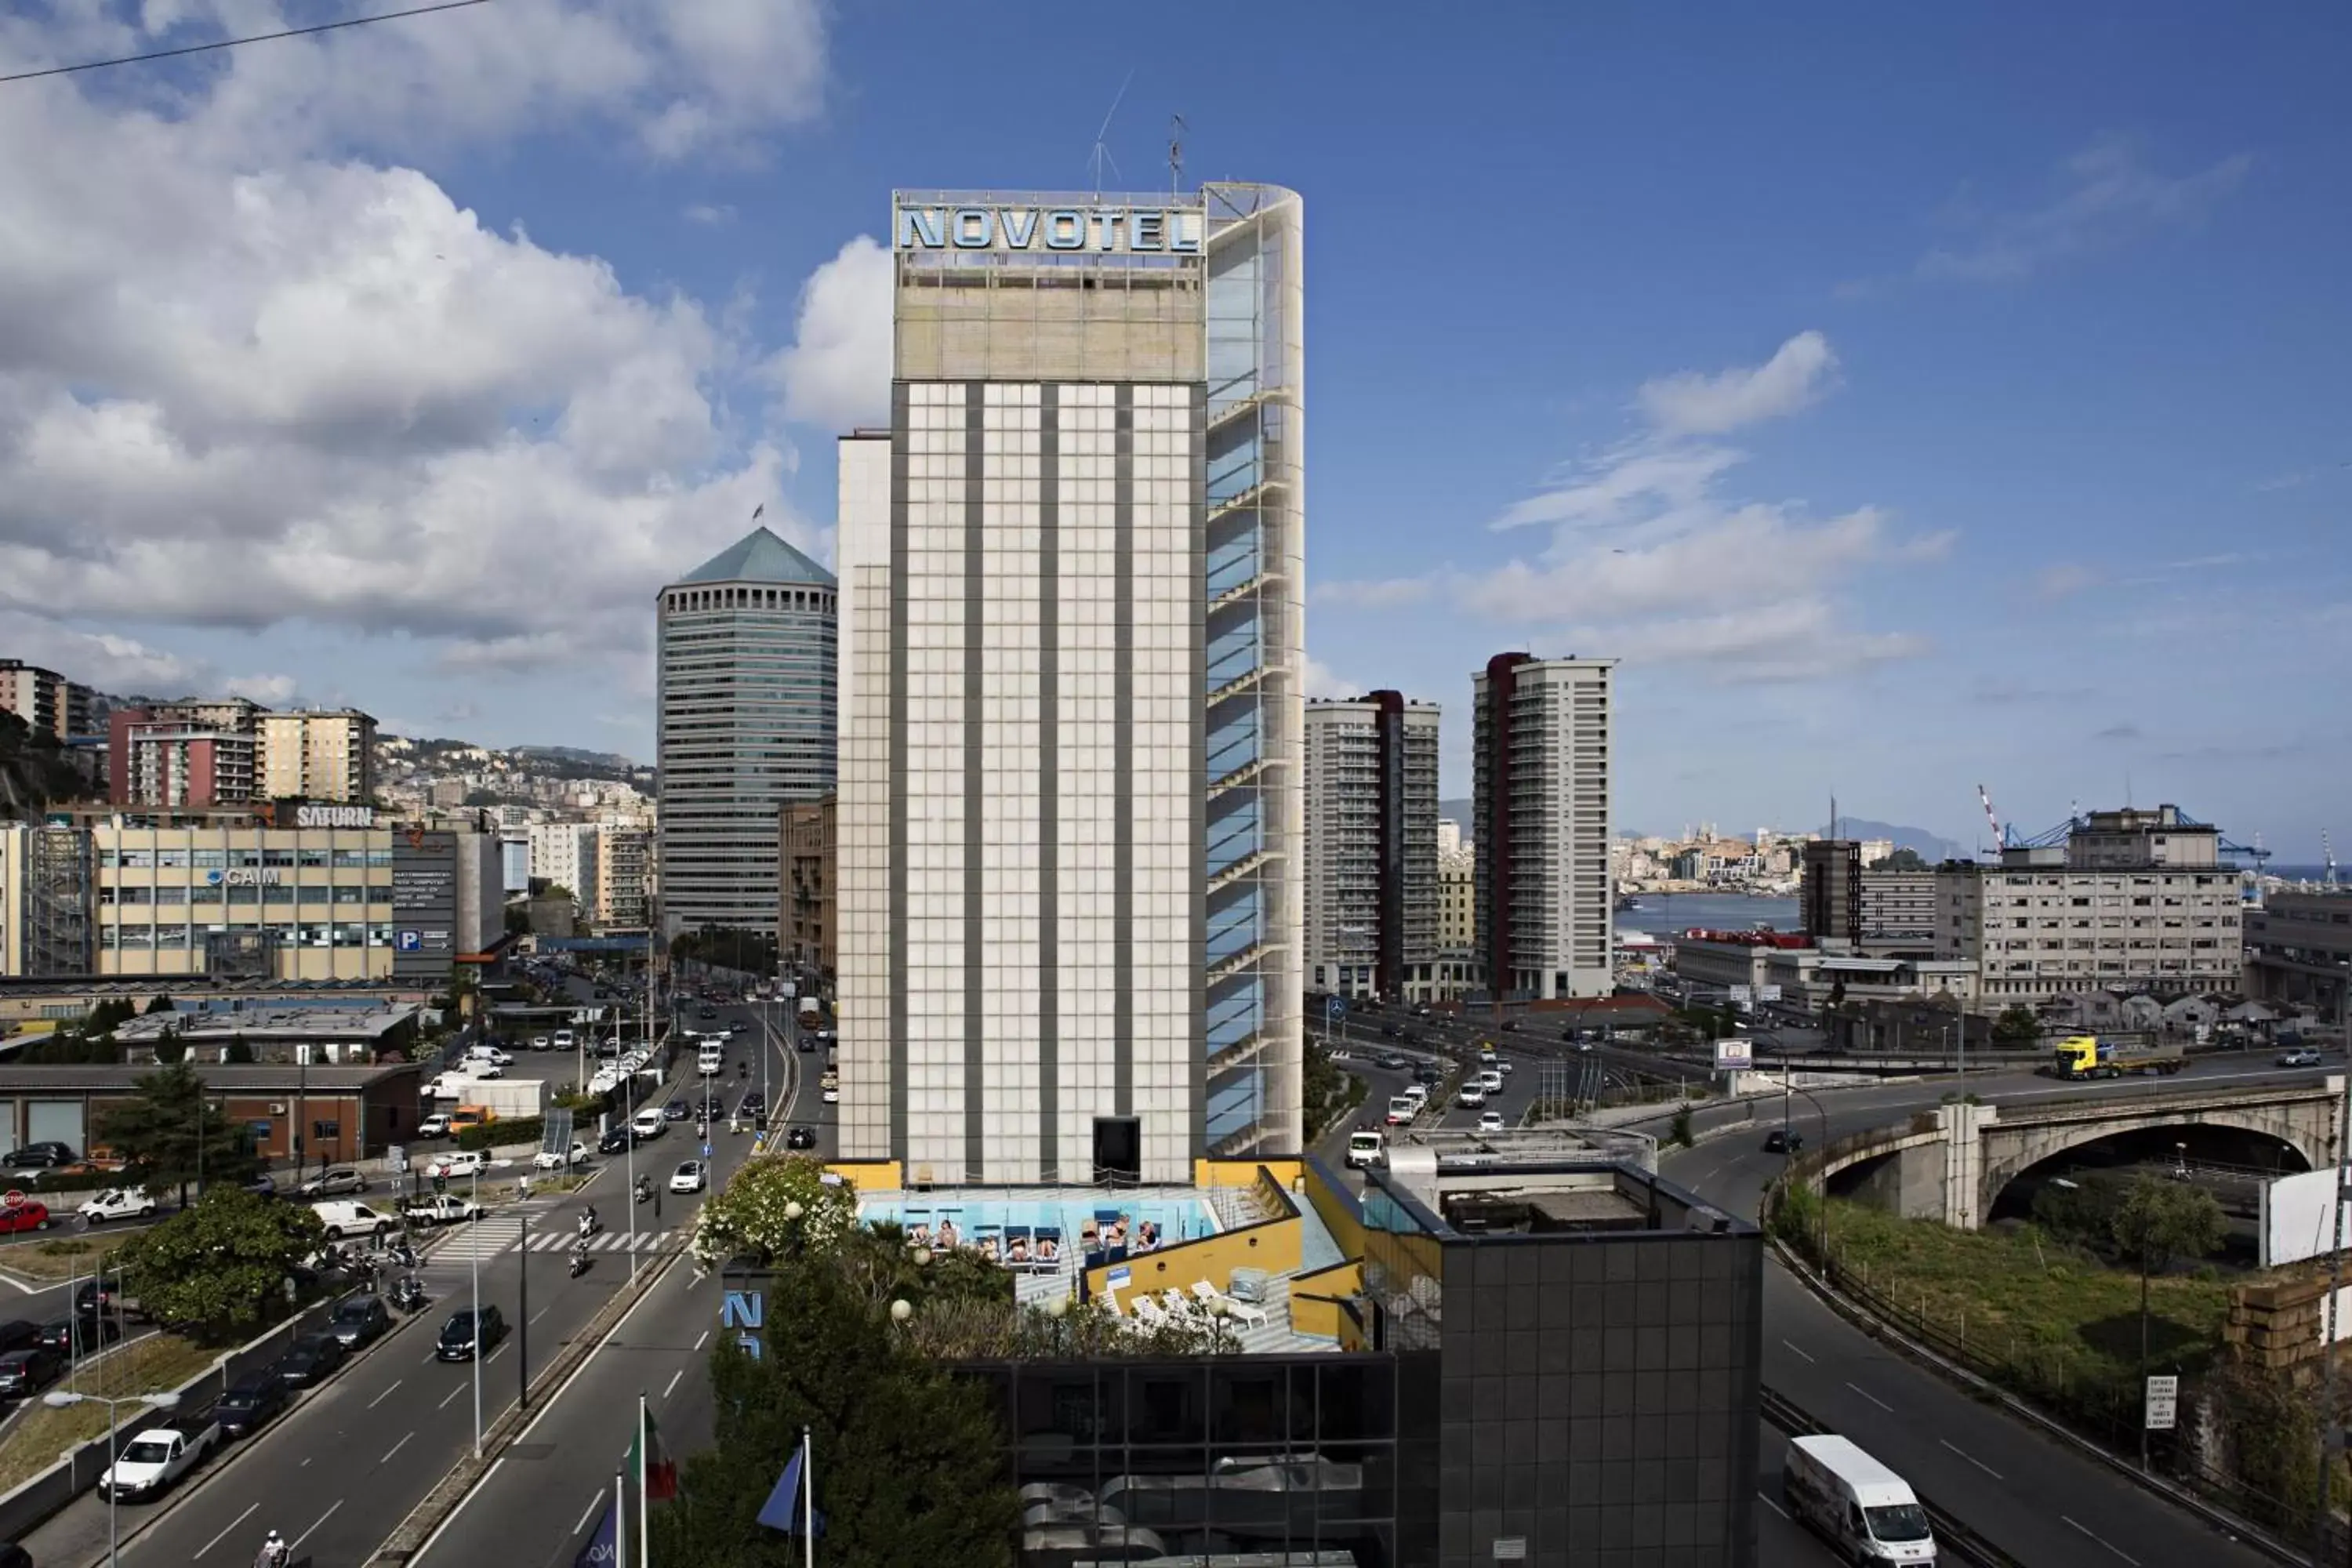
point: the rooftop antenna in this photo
(1102, 150)
(2327, 850)
(1175, 155)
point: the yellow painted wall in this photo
(1339, 1213)
(1242, 1173)
(868, 1175)
(1314, 1307)
(1274, 1246)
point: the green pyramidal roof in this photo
(760, 557)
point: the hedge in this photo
(491, 1134)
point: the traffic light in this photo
(440, 1182)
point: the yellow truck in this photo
(2088, 1056)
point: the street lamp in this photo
(63, 1398)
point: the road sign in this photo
(14, 1199)
(2163, 1403)
(1335, 1008)
(1734, 1056)
(1768, 994)
(1742, 993)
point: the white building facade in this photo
(564, 853)
(1541, 778)
(1069, 811)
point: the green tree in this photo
(170, 1048)
(215, 1270)
(909, 1458)
(1901, 861)
(171, 1134)
(240, 1051)
(2159, 1221)
(2017, 1026)
(159, 1004)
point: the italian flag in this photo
(650, 1462)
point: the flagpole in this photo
(645, 1511)
(808, 1498)
(620, 1525)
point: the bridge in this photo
(1952, 1164)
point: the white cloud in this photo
(711, 214)
(1693, 403)
(836, 374)
(2104, 194)
(1800, 638)
(247, 379)
(1317, 680)
(270, 690)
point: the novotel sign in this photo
(1102, 231)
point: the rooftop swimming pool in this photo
(1007, 1216)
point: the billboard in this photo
(2297, 1221)
(1734, 1056)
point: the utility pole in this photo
(2331, 1428)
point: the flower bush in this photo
(747, 1217)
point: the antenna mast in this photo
(1102, 151)
(2327, 850)
(1175, 155)
(1985, 796)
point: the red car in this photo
(27, 1215)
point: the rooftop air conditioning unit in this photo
(277, 1107)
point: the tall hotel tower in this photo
(1070, 813)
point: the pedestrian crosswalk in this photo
(606, 1241)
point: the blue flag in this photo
(602, 1551)
(782, 1509)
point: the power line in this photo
(233, 43)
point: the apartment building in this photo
(157, 760)
(623, 876)
(1371, 894)
(807, 918)
(315, 754)
(1541, 826)
(1898, 906)
(1831, 895)
(2131, 900)
(2299, 953)
(564, 853)
(44, 699)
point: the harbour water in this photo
(1664, 914)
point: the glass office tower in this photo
(1070, 808)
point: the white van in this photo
(351, 1219)
(1402, 1108)
(1417, 1092)
(711, 1059)
(566, 1041)
(1865, 1509)
(1364, 1148)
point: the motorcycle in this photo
(275, 1553)
(589, 1224)
(644, 1190)
(408, 1295)
(579, 1261)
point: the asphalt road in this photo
(341, 1469)
(2038, 1499)
(537, 1505)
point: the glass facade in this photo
(1247, 1459)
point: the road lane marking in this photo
(1767, 1502)
(450, 1395)
(2117, 1550)
(1808, 1360)
(701, 1340)
(396, 1449)
(295, 1545)
(1871, 1397)
(1971, 1458)
(595, 1503)
(673, 1383)
(232, 1524)
(380, 1398)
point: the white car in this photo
(549, 1160)
(831, 1095)
(118, 1202)
(1490, 1121)
(649, 1124)
(687, 1178)
(491, 1054)
(482, 1069)
(434, 1126)
(540, 1042)
(459, 1163)
(1491, 1080)
(1472, 1096)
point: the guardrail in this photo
(1955, 1540)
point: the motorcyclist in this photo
(644, 1188)
(588, 1221)
(578, 1256)
(274, 1553)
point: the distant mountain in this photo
(1929, 846)
(612, 759)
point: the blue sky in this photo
(1912, 399)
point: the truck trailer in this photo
(2090, 1055)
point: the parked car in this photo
(342, 1218)
(30, 1214)
(460, 1340)
(689, 1178)
(24, 1374)
(1778, 1142)
(434, 1126)
(118, 1202)
(541, 1043)
(16, 1334)
(248, 1403)
(333, 1182)
(40, 1156)
(156, 1457)
(358, 1320)
(314, 1359)
(801, 1138)
(2302, 1057)
(458, 1163)
(264, 1186)
(79, 1335)
(442, 1208)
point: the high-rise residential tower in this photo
(1069, 823)
(314, 753)
(747, 693)
(1371, 848)
(1541, 826)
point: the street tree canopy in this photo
(171, 1134)
(752, 1216)
(216, 1270)
(2159, 1221)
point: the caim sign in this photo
(247, 877)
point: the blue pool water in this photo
(1180, 1219)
